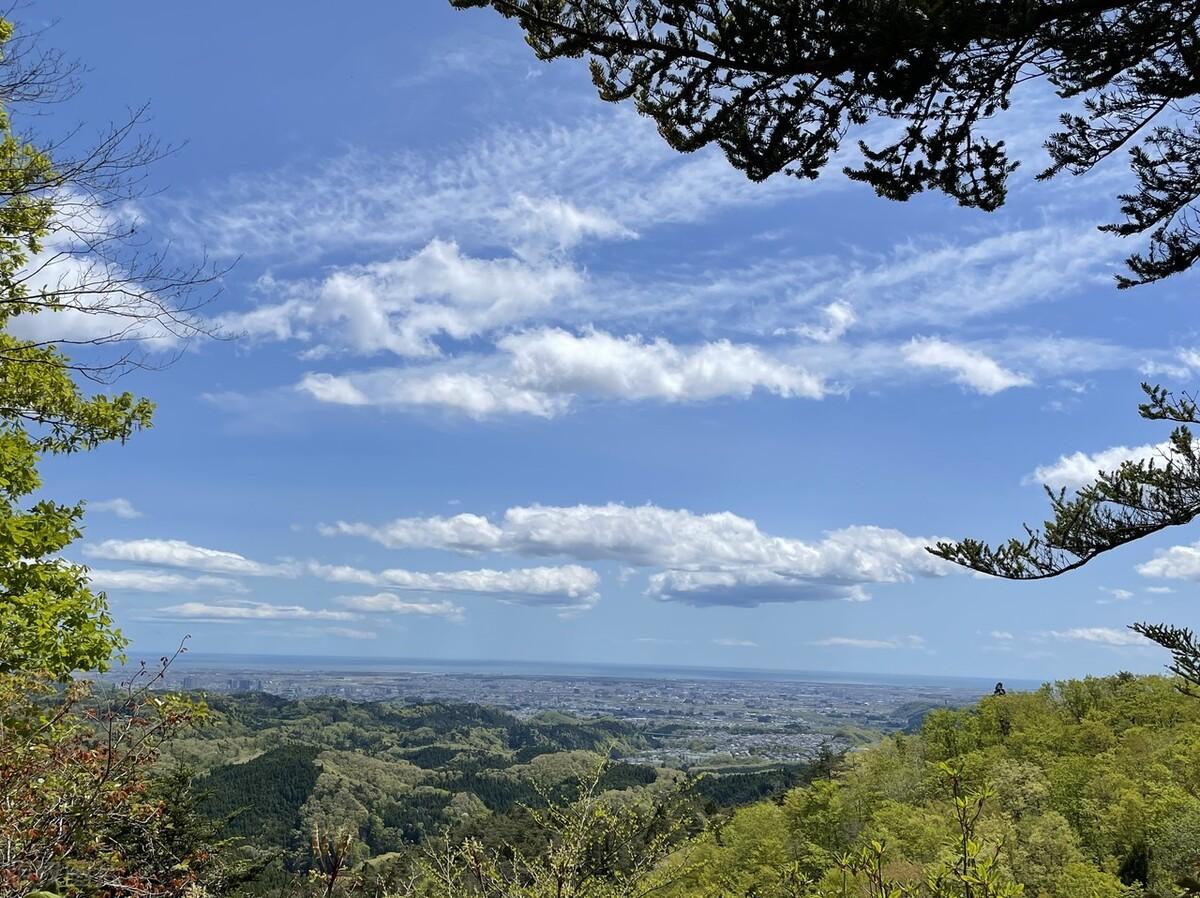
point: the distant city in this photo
(699, 716)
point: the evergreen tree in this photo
(1137, 499)
(780, 85)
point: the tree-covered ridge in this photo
(1083, 789)
(431, 735)
(1086, 789)
(394, 778)
(390, 773)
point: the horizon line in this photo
(361, 660)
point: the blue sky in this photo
(515, 381)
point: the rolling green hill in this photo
(390, 772)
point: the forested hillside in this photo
(393, 776)
(389, 773)
(1085, 789)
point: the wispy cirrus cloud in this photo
(855, 642)
(969, 367)
(248, 611)
(389, 603)
(162, 582)
(122, 508)
(603, 177)
(1107, 636)
(1115, 594)
(351, 633)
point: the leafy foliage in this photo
(734, 789)
(1084, 789)
(262, 797)
(77, 812)
(594, 846)
(1080, 790)
(389, 775)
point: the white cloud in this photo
(926, 283)
(751, 586)
(1117, 595)
(604, 178)
(1159, 590)
(1175, 563)
(388, 603)
(404, 306)
(920, 282)
(1109, 636)
(595, 363)
(246, 610)
(609, 177)
(853, 642)
(736, 643)
(541, 372)
(122, 508)
(483, 240)
(473, 395)
(708, 559)
(1190, 357)
(970, 367)
(97, 299)
(462, 532)
(177, 553)
(159, 581)
(352, 633)
(1081, 468)
(839, 318)
(1002, 635)
(659, 640)
(550, 224)
(564, 586)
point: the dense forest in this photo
(392, 775)
(1083, 789)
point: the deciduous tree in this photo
(73, 273)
